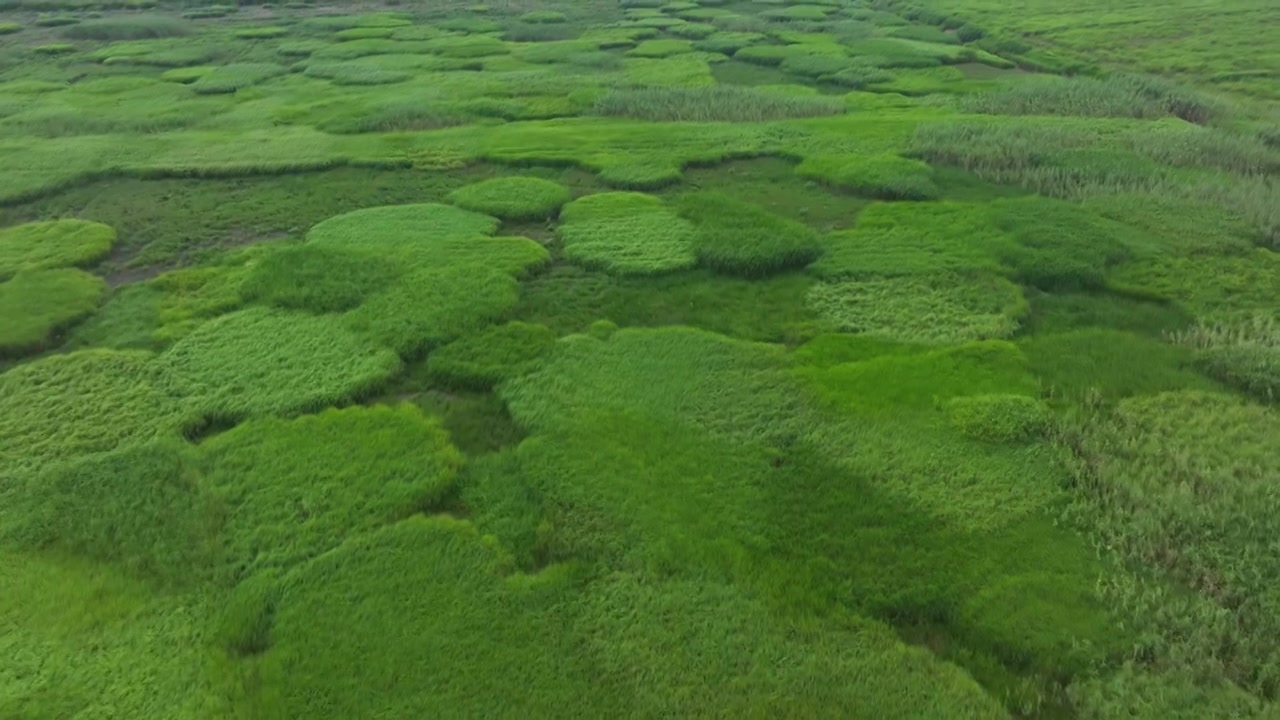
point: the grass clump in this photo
(54, 49)
(137, 27)
(364, 468)
(36, 305)
(538, 17)
(480, 361)
(739, 238)
(9, 28)
(64, 406)
(266, 32)
(660, 48)
(401, 230)
(727, 43)
(1061, 246)
(357, 73)
(317, 279)
(717, 103)
(887, 177)
(56, 21)
(513, 198)
(893, 239)
(1098, 364)
(1113, 96)
(1000, 418)
(1241, 352)
(52, 244)
(936, 309)
(626, 233)
(233, 77)
(261, 362)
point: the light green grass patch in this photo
(627, 233)
(317, 278)
(719, 103)
(36, 305)
(52, 244)
(910, 238)
(513, 198)
(233, 77)
(887, 177)
(265, 32)
(260, 362)
(926, 308)
(660, 48)
(93, 401)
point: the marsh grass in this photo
(1112, 96)
(720, 103)
(738, 238)
(38, 304)
(53, 243)
(138, 27)
(513, 198)
(1243, 353)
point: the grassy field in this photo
(639, 358)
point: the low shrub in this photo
(626, 233)
(317, 279)
(718, 103)
(37, 304)
(230, 78)
(513, 198)
(739, 238)
(262, 362)
(136, 27)
(887, 177)
(52, 244)
(935, 309)
(480, 361)
(1000, 418)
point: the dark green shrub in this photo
(739, 238)
(513, 198)
(487, 358)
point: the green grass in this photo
(928, 308)
(1114, 96)
(1242, 352)
(887, 177)
(738, 238)
(259, 362)
(52, 244)
(264, 32)
(513, 198)
(66, 406)
(482, 360)
(725, 102)
(139, 27)
(1095, 364)
(626, 233)
(230, 78)
(316, 278)
(37, 305)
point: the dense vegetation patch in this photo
(56, 243)
(627, 233)
(722, 102)
(39, 303)
(513, 198)
(736, 237)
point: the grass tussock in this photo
(513, 198)
(52, 244)
(138, 27)
(627, 233)
(1113, 96)
(738, 238)
(719, 103)
(38, 304)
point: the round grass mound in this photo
(487, 358)
(1000, 418)
(317, 279)
(513, 198)
(931, 308)
(358, 469)
(53, 243)
(261, 361)
(62, 406)
(627, 233)
(399, 229)
(36, 305)
(738, 238)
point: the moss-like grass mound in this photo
(397, 230)
(230, 78)
(739, 238)
(483, 360)
(1000, 418)
(317, 278)
(64, 406)
(627, 233)
(365, 467)
(944, 308)
(36, 305)
(52, 244)
(513, 198)
(887, 177)
(261, 362)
